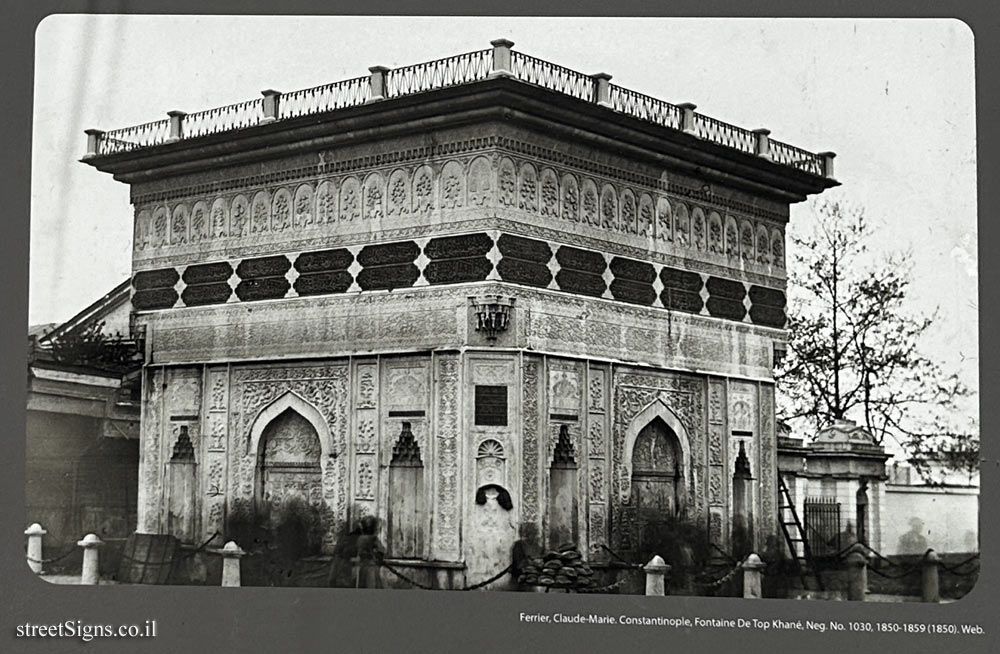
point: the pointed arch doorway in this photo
(657, 482)
(288, 495)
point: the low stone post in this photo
(501, 58)
(271, 100)
(94, 137)
(827, 163)
(857, 574)
(762, 143)
(687, 117)
(656, 570)
(34, 534)
(929, 577)
(377, 83)
(602, 89)
(176, 125)
(91, 571)
(231, 555)
(752, 567)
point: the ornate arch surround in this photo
(291, 400)
(655, 409)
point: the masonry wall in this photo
(916, 518)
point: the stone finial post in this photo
(762, 143)
(857, 574)
(656, 570)
(930, 569)
(602, 89)
(91, 571)
(34, 534)
(752, 567)
(377, 82)
(94, 137)
(271, 100)
(827, 163)
(176, 125)
(687, 117)
(231, 555)
(501, 58)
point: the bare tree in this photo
(853, 350)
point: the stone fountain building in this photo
(475, 298)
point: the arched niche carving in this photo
(239, 217)
(260, 212)
(304, 207)
(373, 197)
(291, 400)
(629, 211)
(179, 225)
(549, 193)
(570, 200)
(609, 208)
(143, 229)
(491, 463)
(664, 220)
(220, 219)
(201, 226)
(655, 409)
(698, 228)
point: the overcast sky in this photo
(893, 98)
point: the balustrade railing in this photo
(131, 138)
(645, 107)
(428, 76)
(328, 97)
(789, 155)
(461, 69)
(552, 76)
(722, 133)
(224, 119)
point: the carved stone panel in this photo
(150, 479)
(324, 387)
(564, 389)
(406, 387)
(446, 537)
(684, 395)
(531, 420)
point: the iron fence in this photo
(451, 71)
(722, 133)
(552, 76)
(822, 525)
(328, 97)
(645, 107)
(223, 119)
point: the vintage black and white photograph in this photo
(680, 307)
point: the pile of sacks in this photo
(562, 568)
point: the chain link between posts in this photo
(413, 582)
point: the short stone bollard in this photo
(929, 577)
(752, 567)
(91, 574)
(231, 555)
(857, 574)
(656, 570)
(34, 534)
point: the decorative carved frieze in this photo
(608, 206)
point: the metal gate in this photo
(822, 525)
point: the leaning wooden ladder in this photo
(790, 525)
